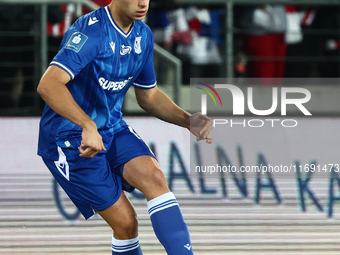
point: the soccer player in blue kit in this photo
(84, 141)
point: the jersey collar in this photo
(119, 30)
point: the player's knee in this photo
(131, 226)
(157, 178)
(128, 229)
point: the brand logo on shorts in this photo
(125, 50)
(188, 246)
(62, 165)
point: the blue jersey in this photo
(103, 62)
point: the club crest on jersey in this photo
(76, 41)
(125, 50)
(138, 48)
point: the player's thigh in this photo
(126, 145)
(143, 173)
(131, 159)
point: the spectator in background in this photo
(56, 30)
(98, 2)
(17, 52)
(263, 33)
(158, 20)
(192, 34)
(162, 31)
(202, 51)
(304, 48)
(13, 49)
(327, 20)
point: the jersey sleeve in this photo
(147, 77)
(80, 45)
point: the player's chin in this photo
(139, 17)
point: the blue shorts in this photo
(96, 183)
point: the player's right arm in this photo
(52, 89)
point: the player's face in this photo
(134, 9)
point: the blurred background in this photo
(217, 38)
(239, 39)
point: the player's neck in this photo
(123, 21)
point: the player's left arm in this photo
(157, 103)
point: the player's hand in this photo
(200, 126)
(91, 143)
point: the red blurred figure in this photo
(57, 31)
(99, 2)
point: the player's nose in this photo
(143, 3)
